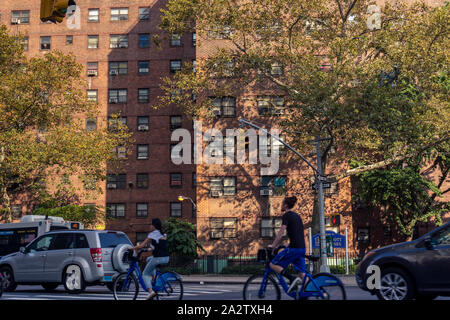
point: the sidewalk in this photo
(347, 280)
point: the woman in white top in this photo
(158, 243)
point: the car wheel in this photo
(9, 284)
(73, 279)
(49, 286)
(395, 284)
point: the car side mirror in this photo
(22, 250)
(428, 244)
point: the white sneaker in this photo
(297, 281)
(151, 295)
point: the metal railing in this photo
(220, 264)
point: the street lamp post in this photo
(319, 182)
(182, 198)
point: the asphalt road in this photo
(191, 292)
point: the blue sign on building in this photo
(338, 240)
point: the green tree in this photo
(404, 195)
(44, 143)
(181, 238)
(332, 61)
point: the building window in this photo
(224, 106)
(93, 15)
(91, 124)
(175, 156)
(276, 69)
(175, 40)
(273, 186)
(141, 210)
(119, 14)
(270, 227)
(118, 68)
(144, 14)
(363, 235)
(117, 95)
(142, 151)
(176, 180)
(144, 40)
(269, 106)
(143, 123)
(20, 17)
(116, 181)
(175, 209)
(118, 41)
(69, 40)
(92, 69)
(143, 95)
(24, 41)
(175, 122)
(272, 144)
(93, 42)
(16, 211)
(175, 65)
(140, 237)
(142, 181)
(222, 186)
(143, 67)
(121, 152)
(112, 122)
(115, 210)
(223, 228)
(45, 43)
(194, 39)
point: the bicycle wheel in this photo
(331, 287)
(253, 286)
(126, 288)
(173, 290)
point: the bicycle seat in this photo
(312, 258)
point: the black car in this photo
(418, 269)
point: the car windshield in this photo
(113, 239)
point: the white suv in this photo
(74, 258)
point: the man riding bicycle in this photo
(158, 243)
(295, 253)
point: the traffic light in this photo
(335, 220)
(55, 10)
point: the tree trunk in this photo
(5, 201)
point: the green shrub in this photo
(341, 269)
(243, 269)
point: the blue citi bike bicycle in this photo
(319, 286)
(167, 285)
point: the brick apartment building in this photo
(238, 210)
(123, 67)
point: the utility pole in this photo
(320, 178)
(319, 182)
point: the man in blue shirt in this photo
(295, 252)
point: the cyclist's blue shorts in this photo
(296, 256)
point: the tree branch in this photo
(385, 163)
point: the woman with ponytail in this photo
(158, 244)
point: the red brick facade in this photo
(248, 206)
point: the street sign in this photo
(326, 185)
(338, 240)
(322, 178)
